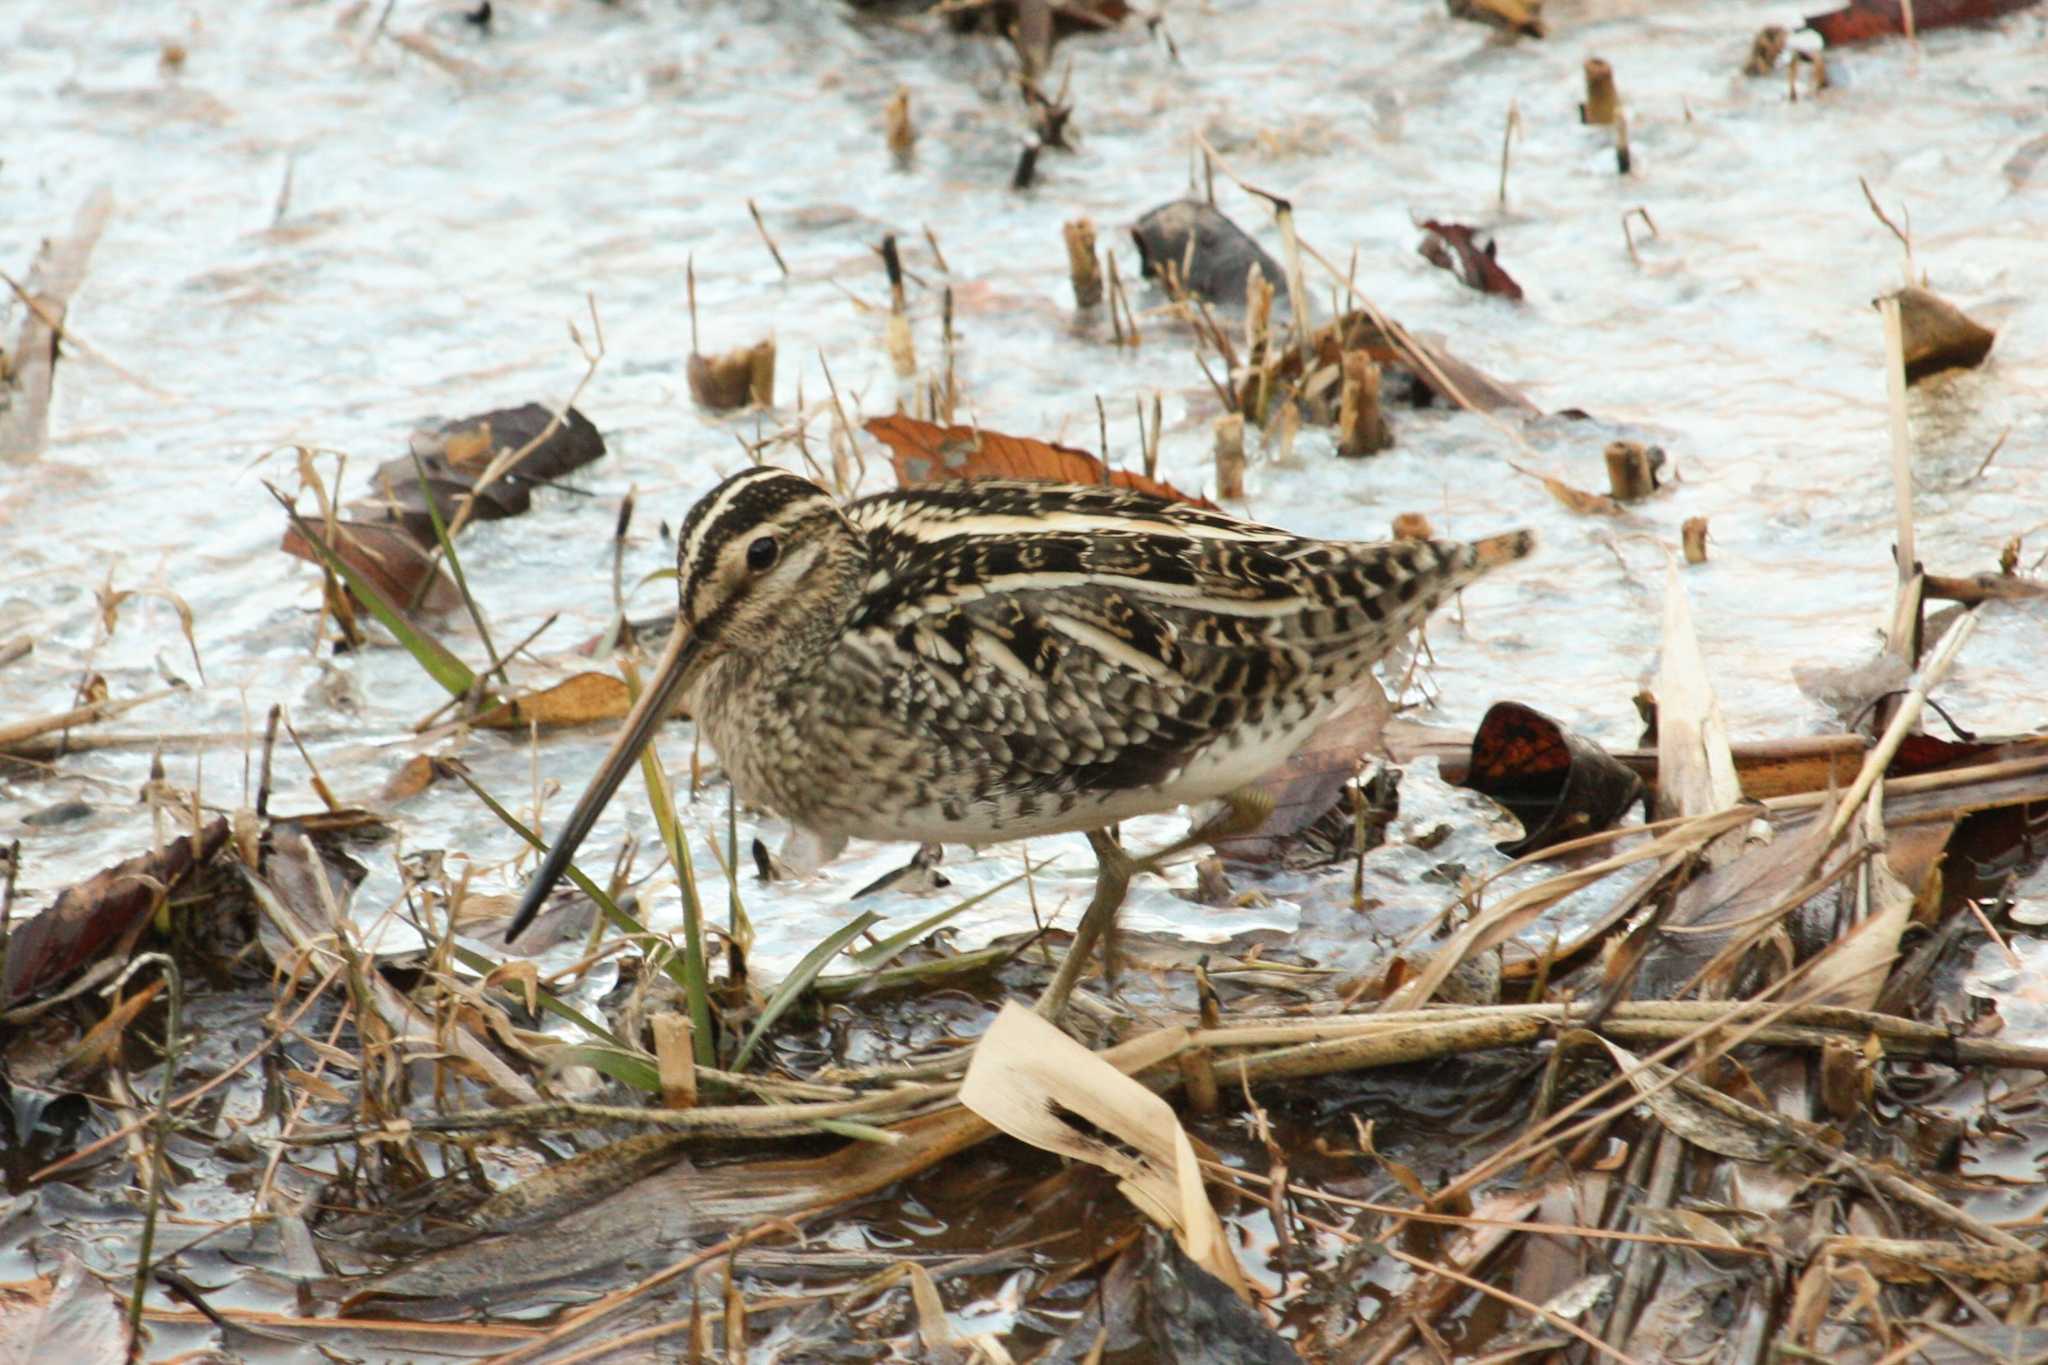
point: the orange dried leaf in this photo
(419, 773)
(580, 700)
(924, 452)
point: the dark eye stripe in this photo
(734, 509)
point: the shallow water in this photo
(445, 221)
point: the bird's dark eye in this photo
(761, 554)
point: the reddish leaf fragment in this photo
(98, 913)
(1458, 248)
(926, 453)
(1558, 784)
(1863, 20)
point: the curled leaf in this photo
(924, 452)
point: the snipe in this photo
(970, 662)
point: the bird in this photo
(989, 660)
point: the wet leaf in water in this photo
(924, 452)
(388, 557)
(1559, 784)
(1863, 20)
(1938, 335)
(417, 774)
(1457, 247)
(76, 1320)
(94, 916)
(580, 700)
(1193, 245)
(735, 379)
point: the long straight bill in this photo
(671, 672)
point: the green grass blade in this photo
(433, 657)
(624, 1065)
(935, 972)
(881, 953)
(625, 922)
(799, 980)
(696, 974)
(476, 616)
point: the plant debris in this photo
(924, 452)
(1864, 20)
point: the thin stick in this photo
(780, 264)
(1509, 128)
(1879, 758)
(1637, 212)
(690, 282)
(509, 461)
(1904, 240)
(70, 338)
(160, 1124)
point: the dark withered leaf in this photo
(1559, 784)
(98, 914)
(1208, 254)
(1458, 248)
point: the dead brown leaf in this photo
(580, 700)
(390, 559)
(924, 452)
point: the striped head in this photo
(765, 562)
(760, 556)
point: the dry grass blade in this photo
(1511, 915)
(1902, 723)
(799, 980)
(1695, 767)
(24, 730)
(1025, 1072)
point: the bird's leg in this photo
(1113, 871)
(1245, 811)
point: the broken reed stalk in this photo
(1361, 427)
(1084, 268)
(673, 1051)
(1631, 476)
(898, 129)
(951, 393)
(1903, 636)
(896, 339)
(1602, 103)
(1120, 302)
(1902, 440)
(1230, 455)
(1694, 537)
(1152, 441)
